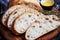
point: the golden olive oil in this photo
(47, 4)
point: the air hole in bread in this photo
(36, 21)
(33, 26)
(29, 15)
(37, 14)
(40, 26)
(47, 18)
(50, 21)
(6, 14)
(28, 36)
(53, 18)
(21, 31)
(14, 13)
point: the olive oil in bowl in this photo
(47, 4)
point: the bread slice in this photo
(31, 3)
(20, 11)
(21, 24)
(7, 13)
(42, 26)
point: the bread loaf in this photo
(31, 3)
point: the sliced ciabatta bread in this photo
(22, 23)
(7, 13)
(42, 26)
(17, 13)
